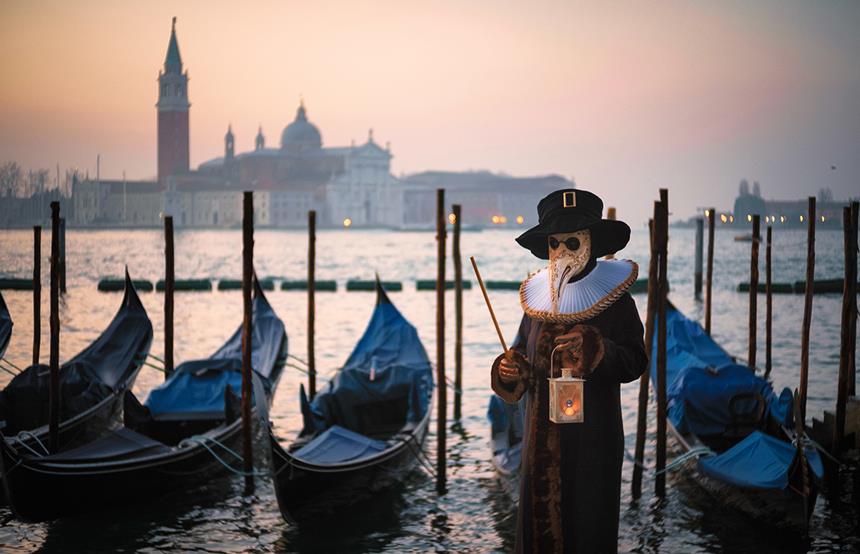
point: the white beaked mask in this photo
(569, 253)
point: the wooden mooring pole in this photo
(661, 231)
(849, 312)
(642, 415)
(441, 384)
(247, 286)
(697, 271)
(768, 306)
(54, 363)
(37, 293)
(312, 307)
(63, 255)
(458, 315)
(753, 311)
(807, 307)
(852, 331)
(711, 213)
(169, 286)
(610, 215)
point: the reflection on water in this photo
(476, 515)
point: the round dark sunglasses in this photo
(572, 243)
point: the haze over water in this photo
(475, 515)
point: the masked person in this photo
(578, 306)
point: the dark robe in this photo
(570, 481)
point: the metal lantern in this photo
(566, 396)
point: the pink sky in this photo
(625, 97)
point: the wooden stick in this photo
(712, 212)
(697, 270)
(768, 317)
(753, 312)
(441, 384)
(312, 291)
(458, 315)
(489, 305)
(642, 415)
(169, 286)
(247, 285)
(37, 293)
(807, 306)
(661, 218)
(54, 382)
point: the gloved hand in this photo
(512, 366)
(581, 348)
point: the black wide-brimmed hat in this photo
(569, 210)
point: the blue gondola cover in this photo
(701, 380)
(759, 461)
(337, 444)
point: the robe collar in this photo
(581, 299)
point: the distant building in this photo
(346, 185)
(782, 213)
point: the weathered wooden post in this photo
(697, 272)
(642, 415)
(753, 319)
(169, 286)
(662, 231)
(852, 330)
(63, 255)
(458, 315)
(711, 213)
(610, 215)
(807, 306)
(849, 312)
(768, 317)
(37, 293)
(247, 286)
(441, 384)
(312, 291)
(54, 363)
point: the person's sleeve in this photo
(512, 391)
(624, 358)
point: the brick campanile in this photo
(173, 105)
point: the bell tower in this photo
(172, 106)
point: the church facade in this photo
(348, 186)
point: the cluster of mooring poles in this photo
(655, 322)
(835, 435)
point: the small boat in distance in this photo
(5, 326)
(188, 430)
(366, 429)
(735, 427)
(92, 384)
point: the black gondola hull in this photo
(306, 491)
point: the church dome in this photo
(301, 134)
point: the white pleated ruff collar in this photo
(580, 300)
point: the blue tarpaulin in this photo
(759, 461)
(701, 380)
(386, 381)
(196, 388)
(337, 444)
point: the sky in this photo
(625, 97)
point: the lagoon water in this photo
(475, 515)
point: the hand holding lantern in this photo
(580, 349)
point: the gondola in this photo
(5, 326)
(735, 430)
(188, 430)
(92, 385)
(366, 429)
(506, 442)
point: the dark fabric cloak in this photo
(570, 481)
